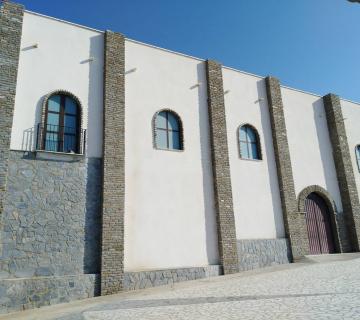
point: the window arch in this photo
(357, 154)
(61, 123)
(249, 143)
(168, 131)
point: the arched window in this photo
(249, 144)
(168, 131)
(62, 119)
(357, 153)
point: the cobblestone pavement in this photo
(329, 290)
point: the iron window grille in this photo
(60, 139)
(61, 128)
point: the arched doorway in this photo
(318, 225)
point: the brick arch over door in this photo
(331, 206)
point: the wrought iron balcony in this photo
(63, 139)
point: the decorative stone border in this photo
(181, 130)
(113, 206)
(11, 20)
(331, 206)
(344, 169)
(154, 278)
(295, 225)
(257, 137)
(221, 169)
(319, 190)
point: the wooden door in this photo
(318, 225)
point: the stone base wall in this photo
(154, 278)
(28, 293)
(259, 253)
(51, 222)
(51, 227)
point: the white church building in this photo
(126, 166)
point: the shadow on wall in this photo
(268, 149)
(29, 138)
(326, 151)
(207, 174)
(92, 250)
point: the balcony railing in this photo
(60, 139)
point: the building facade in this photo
(126, 166)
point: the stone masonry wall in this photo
(51, 219)
(154, 278)
(344, 170)
(259, 253)
(28, 293)
(11, 16)
(221, 169)
(295, 225)
(112, 262)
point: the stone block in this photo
(259, 253)
(146, 279)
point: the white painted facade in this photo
(169, 202)
(60, 61)
(309, 143)
(255, 188)
(169, 207)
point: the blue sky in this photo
(312, 45)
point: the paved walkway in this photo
(323, 290)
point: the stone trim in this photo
(295, 225)
(221, 169)
(181, 130)
(65, 93)
(344, 169)
(112, 259)
(154, 278)
(11, 19)
(320, 191)
(339, 244)
(260, 253)
(257, 139)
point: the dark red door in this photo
(318, 225)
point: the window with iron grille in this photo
(249, 143)
(61, 130)
(357, 153)
(168, 133)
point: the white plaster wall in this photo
(59, 62)
(256, 196)
(351, 114)
(309, 143)
(169, 208)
